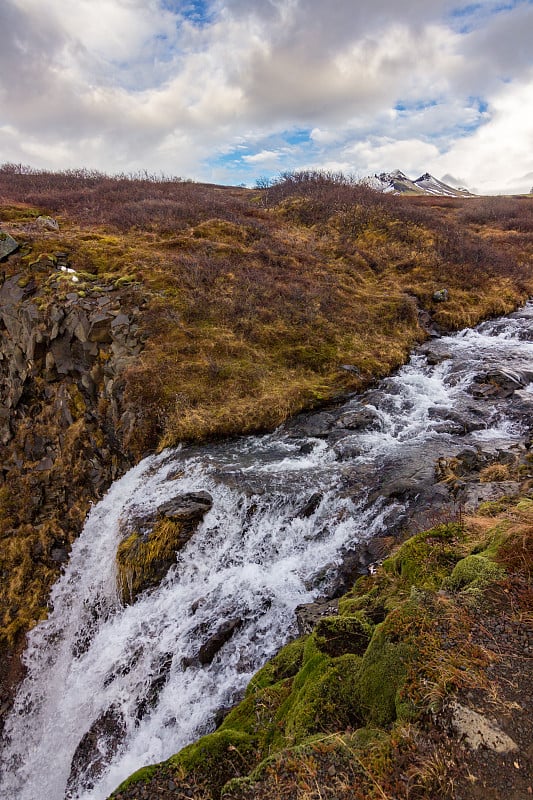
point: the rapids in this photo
(113, 688)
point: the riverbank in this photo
(419, 688)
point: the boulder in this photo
(309, 508)
(190, 507)
(49, 223)
(8, 245)
(471, 495)
(95, 751)
(215, 642)
(309, 614)
(359, 419)
(151, 542)
(497, 383)
(347, 448)
(100, 328)
(462, 420)
(315, 425)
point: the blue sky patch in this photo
(404, 107)
(199, 12)
(466, 18)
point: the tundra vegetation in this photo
(257, 297)
(249, 305)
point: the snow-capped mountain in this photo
(397, 182)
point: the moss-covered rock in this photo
(284, 665)
(203, 767)
(323, 698)
(385, 666)
(474, 572)
(336, 636)
(427, 558)
(217, 757)
(144, 556)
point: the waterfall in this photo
(125, 682)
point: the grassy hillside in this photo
(257, 298)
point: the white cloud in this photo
(498, 156)
(263, 157)
(378, 84)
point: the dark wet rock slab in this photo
(95, 750)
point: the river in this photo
(116, 687)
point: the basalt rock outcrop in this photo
(64, 424)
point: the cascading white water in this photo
(254, 558)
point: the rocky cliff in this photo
(66, 340)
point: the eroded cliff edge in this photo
(64, 426)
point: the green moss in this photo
(474, 572)
(362, 599)
(285, 665)
(257, 716)
(206, 765)
(385, 666)
(338, 701)
(210, 749)
(343, 634)
(489, 547)
(215, 759)
(365, 737)
(319, 698)
(427, 558)
(492, 508)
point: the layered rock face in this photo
(64, 349)
(67, 352)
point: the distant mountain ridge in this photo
(397, 182)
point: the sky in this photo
(232, 91)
